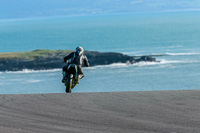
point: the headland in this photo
(52, 59)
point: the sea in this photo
(175, 35)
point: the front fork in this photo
(76, 79)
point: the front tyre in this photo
(68, 84)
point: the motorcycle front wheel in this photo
(68, 83)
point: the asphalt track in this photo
(111, 112)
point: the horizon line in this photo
(94, 14)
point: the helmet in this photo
(79, 50)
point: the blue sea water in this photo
(175, 34)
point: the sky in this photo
(49, 8)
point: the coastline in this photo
(141, 112)
(53, 59)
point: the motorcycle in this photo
(72, 78)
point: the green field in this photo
(33, 54)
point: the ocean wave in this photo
(132, 53)
(33, 71)
(114, 65)
(182, 54)
(171, 54)
(170, 47)
(161, 62)
(33, 81)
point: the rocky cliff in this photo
(50, 59)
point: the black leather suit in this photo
(76, 59)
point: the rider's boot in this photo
(80, 76)
(64, 76)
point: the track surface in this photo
(116, 112)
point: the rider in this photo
(77, 58)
